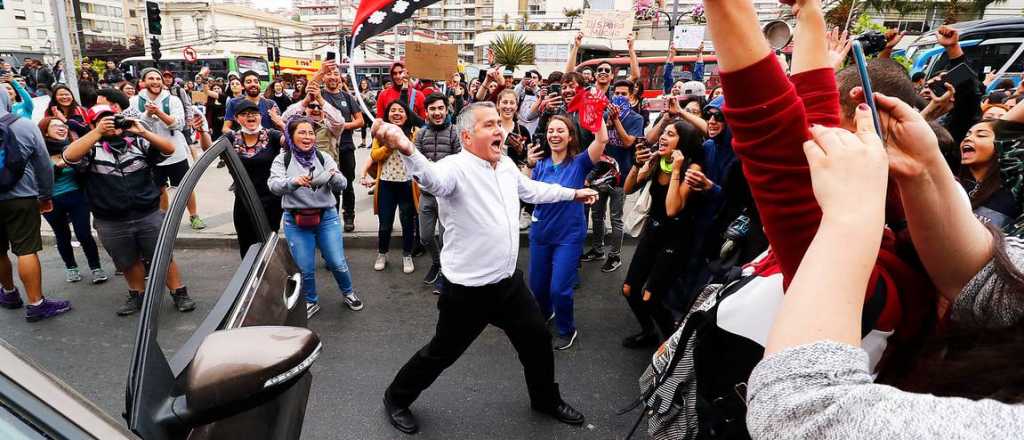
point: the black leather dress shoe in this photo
(401, 418)
(564, 413)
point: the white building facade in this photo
(26, 31)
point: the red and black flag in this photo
(376, 16)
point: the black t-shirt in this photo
(258, 158)
(345, 104)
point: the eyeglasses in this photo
(604, 70)
(313, 106)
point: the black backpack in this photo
(288, 158)
(12, 158)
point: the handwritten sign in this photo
(431, 61)
(607, 24)
(688, 37)
(199, 98)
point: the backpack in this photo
(701, 391)
(12, 158)
(288, 157)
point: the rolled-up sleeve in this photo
(824, 391)
(990, 299)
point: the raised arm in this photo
(634, 65)
(698, 67)
(570, 64)
(670, 63)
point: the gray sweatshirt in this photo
(823, 390)
(299, 197)
(37, 181)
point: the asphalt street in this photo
(482, 396)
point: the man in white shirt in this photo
(478, 192)
(164, 115)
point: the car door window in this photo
(14, 428)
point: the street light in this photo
(672, 22)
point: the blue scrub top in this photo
(561, 222)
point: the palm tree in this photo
(512, 50)
(571, 14)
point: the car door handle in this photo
(291, 299)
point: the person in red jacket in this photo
(770, 123)
(401, 89)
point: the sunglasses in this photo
(715, 115)
(604, 70)
(313, 106)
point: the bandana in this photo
(304, 158)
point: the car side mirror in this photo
(233, 366)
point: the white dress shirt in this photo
(478, 204)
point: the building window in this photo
(23, 33)
(268, 36)
(41, 34)
(201, 27)
(131, 13)
(38, 17)
(551, 52)
(177, 28)
(19, 14)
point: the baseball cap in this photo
(694, 88)
(99, 111)
(245, 105)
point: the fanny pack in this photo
(307, 218)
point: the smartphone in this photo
(957, 76)
(865, 83)
(482, 75)
(656, 104)
(555, 88)
(331, 56)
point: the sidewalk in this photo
(215, 204)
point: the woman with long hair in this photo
(306, 180)
(216, 104)
(559, 229)
(20, 99)
(659, 254)
(370, 98)
(235, 88)
(256, 147)
(275, 92)
(518, 135)
(395, 190)
(300, 90)
(64, 107)
(991, 201)
(70, 207)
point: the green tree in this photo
(512, 50)
(572, 14)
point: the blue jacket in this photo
(698, 75)
(38, 178)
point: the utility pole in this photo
(60, 24)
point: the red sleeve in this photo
(419, 108)
(769, 124)
(381, 102)
(820, 94)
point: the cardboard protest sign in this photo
(199, 98)
(607, 24)
(431, 61)
(688, 37)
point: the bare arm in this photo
(570, 64)
(810, 45)
(736, 33)
(678, 192)
(634, 65)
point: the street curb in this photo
(353, 240)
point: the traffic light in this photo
(154, 45)
(153, 15)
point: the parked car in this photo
(992, 46)
(243, 374)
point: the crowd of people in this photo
(800, 270)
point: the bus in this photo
(652, 70)
(375, 72)
(219, 66)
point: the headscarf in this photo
(304, 158)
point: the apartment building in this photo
(26, 30)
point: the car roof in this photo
(1013, 26)
(56, 394)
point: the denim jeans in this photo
(614, 200)
(72, 210)
(392, 196)
(304, 243)
(429, 221)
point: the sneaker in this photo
(432, 274)
(418, 250)
(592, 255)
(381, 262)
(611, 264)
(407, 265)
(182, 301)
(350, 224)
(197, 223)
(46, 309)
(99, 276)
(10, 300)
(524, 220)
(353, 302)
(72, 275)
(132, 305)
(438, 284)
(564, 342)
(312, 309)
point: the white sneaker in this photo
(381, 262)
(524, 220)
(407, 266)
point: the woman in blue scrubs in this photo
(559, 229)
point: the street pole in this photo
(60, 24)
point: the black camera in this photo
(873, 42)
(123, 123)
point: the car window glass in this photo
(14, 428)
